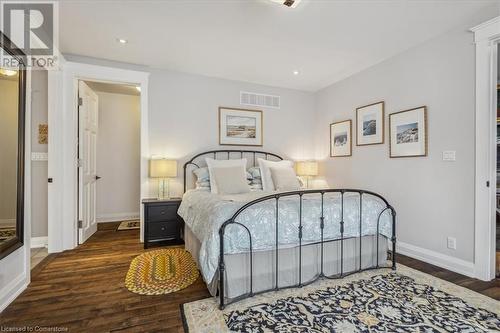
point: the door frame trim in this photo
(63, 107)
(486, 38)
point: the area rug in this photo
(373, 301)
(161, 272)
(129, 225)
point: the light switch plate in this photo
(449, 155)
(37, 156)
(451, 243)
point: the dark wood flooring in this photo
(83, 290)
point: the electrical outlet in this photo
(452, 243)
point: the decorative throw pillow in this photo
(230, 180)
(202, 174)
(203, 177)
(285, 179)
(255, 172)
(211, 163)
(265, 172)
(203, 185)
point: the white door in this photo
(87, 152)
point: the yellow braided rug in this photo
(161, 272)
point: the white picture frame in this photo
(240, 127)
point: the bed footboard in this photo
(224, 301)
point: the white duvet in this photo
(205, 212)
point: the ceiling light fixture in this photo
(7, 72)
(122, 41)
(288, 3)
(296, 72)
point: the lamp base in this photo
(163, 189)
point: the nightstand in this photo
(162, 225)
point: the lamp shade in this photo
(307, 168)
(162, 168)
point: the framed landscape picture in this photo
(370, 124)
(408, 133)
(340, 139)
(240, 127)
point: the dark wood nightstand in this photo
(162, 225)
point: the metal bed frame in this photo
(232, 221)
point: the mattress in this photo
(204, 213)
(237, 274)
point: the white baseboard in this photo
(7, 222)
(117, 217)
(38, 242)
(12, 290)
(436, 258)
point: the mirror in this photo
(12, 113)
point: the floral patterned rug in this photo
(374, 301)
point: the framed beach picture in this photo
(370, 124)
(240, 127)
(340, 138)
(408, 133)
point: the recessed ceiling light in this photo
(288, 3)
(7, 72)
(138, 88)
(296, 72)
(122, 41)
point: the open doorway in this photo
(109, 157)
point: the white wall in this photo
(118, 157)
(39, 187)
(183, 117)
(433, 199)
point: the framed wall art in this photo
(370, 124)
(240, 127)
(408, 133)
(341, 138)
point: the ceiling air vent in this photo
(269, 101)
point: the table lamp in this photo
(163, 169)
(307, 169)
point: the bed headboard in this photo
(198, 160)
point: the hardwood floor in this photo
(83, 290)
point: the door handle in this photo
(97, 177)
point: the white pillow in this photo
(231, 180)
(211, 163)
(285, 179)
(265, 172)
